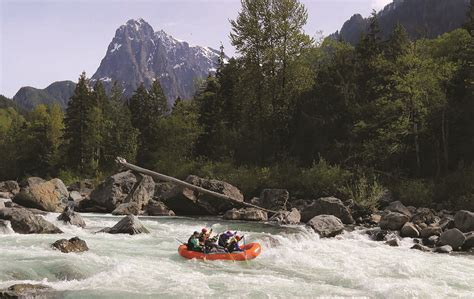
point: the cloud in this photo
(379, 4)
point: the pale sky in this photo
(42, 41)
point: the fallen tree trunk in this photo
(176, 181)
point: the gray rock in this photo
(120, 188)
(469, 243)
(184, 201)
(128, 208)
(453, 237)
(128, 225)
(70, 217)
(72, 245)
(409, 231)
(249, 214)
(424, 215)
(447, 223)
(274, 199)
(430, 241)
(43, 195)
(75, 196)
(287, 217)
(464, 221)
(6, 195)
(421, 247)
(327, 206)
(385, 198)
(25, 222)
(444, 249)
(398, 207)
(10, 187)
(158, 208)
(430, 231)
(26, 290)
(326, 225)
(393, 242)
(393, 221)
(161, 189)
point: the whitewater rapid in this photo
(294, 262)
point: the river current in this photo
(294, 262)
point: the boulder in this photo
(453, 237)
(409, 231)
(75, 196)
(120, 188)
(393, 242)
(430, 231)
(424, 215)
(287, 217)
(9, 187)
(26, 290)
(128, 208)
(444, 249)
(70, 217)
(469, 243)
(398, 207)
(326, 225)
(249, 214)
(447, 222)
(464, 221)
(158, 208)
(72, 245)
(327, 206)
(375, 218)
(40, 194)
(421, 247)
(393, 221)
(6, 195)
(128, 225)
(274, 199)
(161, 189)
(24, 221)
(385, 198)
(184, 201)
(430, 241)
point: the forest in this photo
(316, 117)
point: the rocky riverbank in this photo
(128, 193)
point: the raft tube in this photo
(251, 251)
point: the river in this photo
(294, 262)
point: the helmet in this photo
(204, 230)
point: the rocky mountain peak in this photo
(137, 54)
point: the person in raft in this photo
(224, 238)
(193, 243)
(233, 243)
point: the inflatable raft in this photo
(251, 251)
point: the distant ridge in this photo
(421, 18)
(57, 93)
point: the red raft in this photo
(251, 251)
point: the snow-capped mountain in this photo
(138, 54)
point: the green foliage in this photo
(416, 192)
(365, 191)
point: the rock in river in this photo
(40, 194)
(70, 217)
(464, 221)
(157, 208)
(326, 225)
(25, 222)
(128, 225)
(26, 290)
(274, 199)
(444, 249)
(249, 214)
(327, 206)
(128, 208)
(72, 245)
(453, 237)
(409, 231)
(393, 221)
